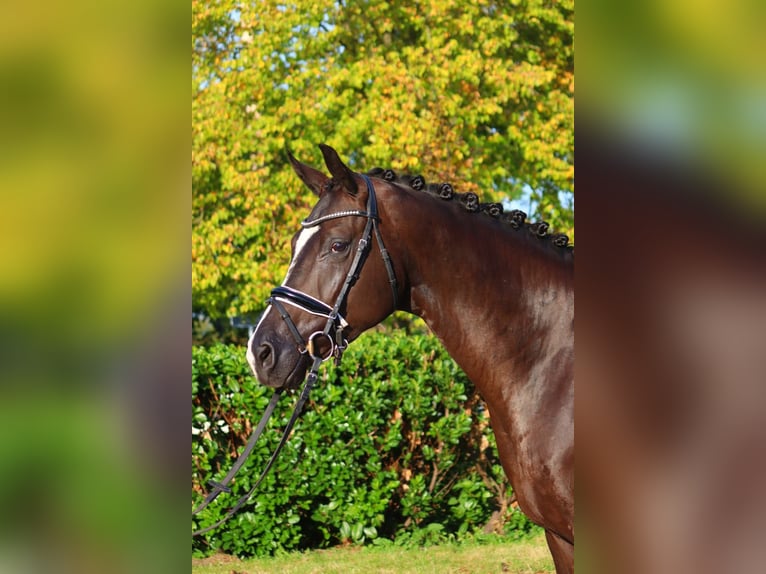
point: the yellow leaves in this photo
(443, 88)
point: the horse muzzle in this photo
(276, 361)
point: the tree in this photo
(478, 94)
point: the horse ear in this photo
(314, 179)
(339, 171)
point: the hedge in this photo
(393, 447)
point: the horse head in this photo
(332, 291)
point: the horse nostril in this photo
(266, 355)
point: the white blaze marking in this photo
(300, 244)
(249, 354)
(303, 239)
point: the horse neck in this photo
(497, 303)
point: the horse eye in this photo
(339, 246)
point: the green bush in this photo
(393, 447)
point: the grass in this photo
(475, 557)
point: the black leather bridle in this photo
(335, 322)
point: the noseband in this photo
(309, 304)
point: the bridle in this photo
(309, 304)
(338, 344)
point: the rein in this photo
(338, 344)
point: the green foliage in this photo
(394, 447)
(477, 94)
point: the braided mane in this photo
(516, 219)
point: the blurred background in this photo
(671, 286)
(94, 291)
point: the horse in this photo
(496, 290)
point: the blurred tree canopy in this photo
(480, 94)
